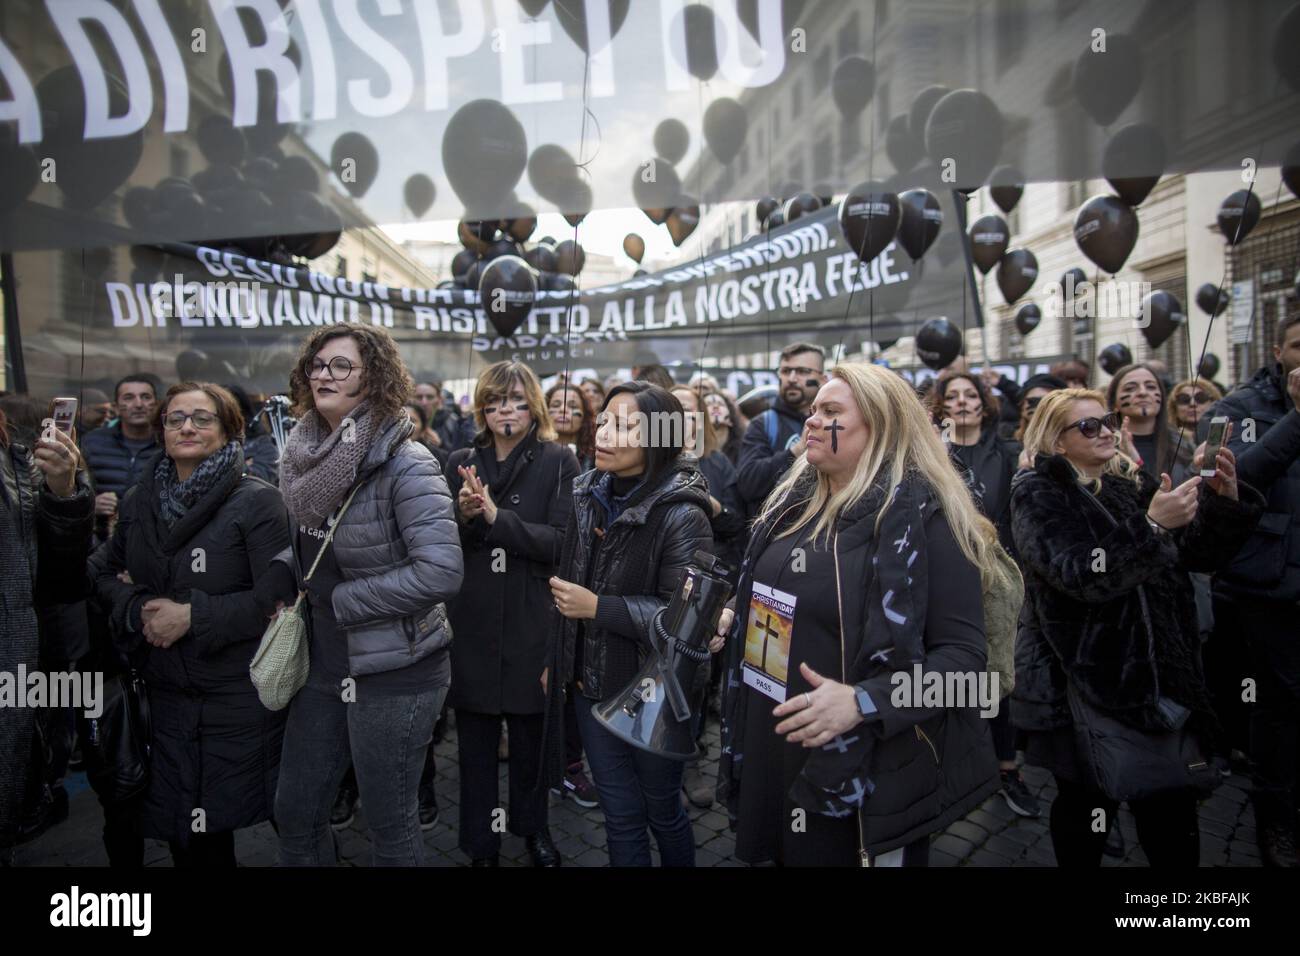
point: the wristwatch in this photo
(1156, 526)
(865, 706)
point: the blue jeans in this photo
(637, 789)
(385, 738)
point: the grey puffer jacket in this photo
(398, 548)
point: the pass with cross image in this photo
(767, 640)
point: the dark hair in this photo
(594, 381)
(1071, 368)
(794, 348)
(736, 434)
(23, 416)
(655, 374)
(228, 413)
(587, 430)
(1041, 380)
(1285, 324)
(420, 414)
(651, 400)
(4, 430)
(1162, 417)
(138, 378)
(989, 405)
(388, 383)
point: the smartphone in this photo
(64, 413)
(1218, 428)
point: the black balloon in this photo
(824, 193)
(1006, 187)
(852, 85)
(1106, 81)
(1161, 314)
(702, 34)
(220, 142)
(989, 236)
(1017, 272)
(310, 227)
(800, 205)
(473, 273)
(137, 206)
(522, 222)
(725, 126)
(1212, 299)
(418, 193)
(572, 15)
(1114, 357)
(922, 106)
(790, 10)
(920, 219)
(1209, 366)
(777, 218)
(541, 258)
(869, 219)
(507, 289)
(765, 207)
(559, 282)
(672, 139)
(355, 161)
(576, 202)
(178, 210)
(656, 188)
(963, 137)
(1105, 231)
(86, 171)
(1134, 161)
(903, 148)
(533, 8)
(214, 177)
(1072, 283)
(484, 152)
(569, 257)
(1238, 215)
(502, 247)
(634, 246)
(461, 262)
(938, 342)
(683, 221)
(1291, 170)
(1028, 317)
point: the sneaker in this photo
(1017, 795)
(345, 808)
(579, 788)
(697, 785)
(428, 808)
(1114, 847)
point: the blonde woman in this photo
(1190, 401)
(864, 564)
(1109, 611)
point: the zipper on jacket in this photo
(844, 675)
(922, 735)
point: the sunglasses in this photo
(1187, 398)
(1091, 427)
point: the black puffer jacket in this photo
(763, 462)
(1268, 457)
(933, 769)
(729, 526)
(215, 747)
(1083, 615)
(640, 560)
(500, 615)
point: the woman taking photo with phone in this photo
(184, 574)
(379, 634)
(514, 492)
(1109, 625)
(638, 519)
(864, 561)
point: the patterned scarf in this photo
(176, 497)
(834, 781)
(319, 466)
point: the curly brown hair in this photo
(988, 401)
(388, 382)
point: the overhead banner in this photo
(220, 315)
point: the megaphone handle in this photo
(676, 696)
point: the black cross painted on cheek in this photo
(834, 428)
(771, 633)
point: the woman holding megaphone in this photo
(862, 579)
(638, 518)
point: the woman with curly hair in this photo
(574, 418)
(380, 666)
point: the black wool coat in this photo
(215, 746)
(1083, 617)
(499, 620)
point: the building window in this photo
(822, 71)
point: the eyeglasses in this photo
(1091, 427)
(202, 420)
(1187, 398)
(340, 368)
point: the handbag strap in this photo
(329, 536)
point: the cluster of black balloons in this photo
(656, 186)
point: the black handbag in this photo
(1127, 763)
(116, 743)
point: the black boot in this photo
(542, 850)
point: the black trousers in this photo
(1167, 826)
(477, 736)
(1273, 631)
(1226, 661)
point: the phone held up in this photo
(1218, 432)
(64, 413)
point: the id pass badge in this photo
(767, 641)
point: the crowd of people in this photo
(502, 568)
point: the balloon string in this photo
(582, 146)
(699, 182)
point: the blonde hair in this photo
(1054, 414)
(1171, 406)
(707, 442)
(902, 439)
(496, 380)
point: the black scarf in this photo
(176, 497)
(499, 474)
(835, 780)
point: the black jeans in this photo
(386, 739)
(1272, 630)
(477, 736)
(1167, 826)
(1226, 663)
